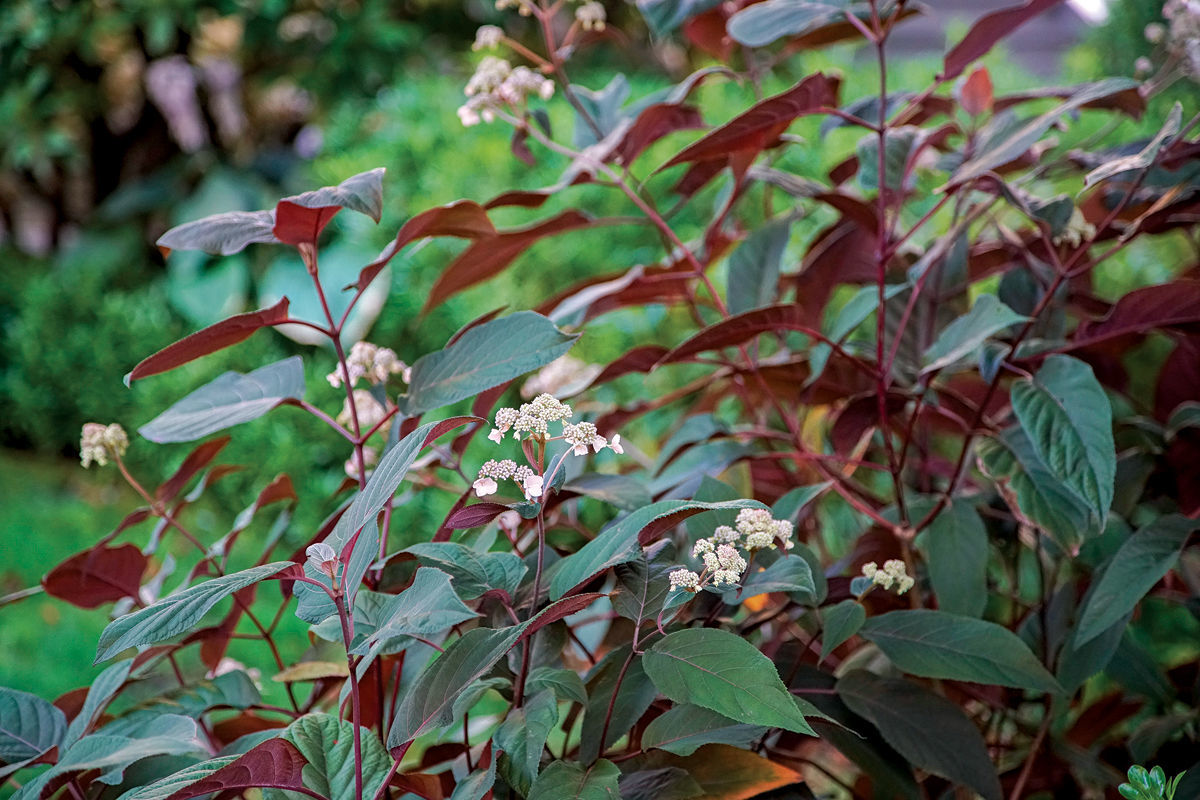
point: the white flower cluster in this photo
(534, 418)
(369, 361)
(494, 471)
(497, 84)
(893, 574)
(370, 459)
(754, 529)
(98, 442)
(591, 16)
(1181, 33)
(564, 375)
(370, 412)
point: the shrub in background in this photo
(880, 510)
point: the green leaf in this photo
(429, 702)
(966, 334)
(566, 683)
(1041, 497)
(956, 547)
(561, 779)
(618, 543)
(387, 477)
(29, 726)
(165, 787)
(178, 613)
(476, 785)
(327, 744)
(1141, 562)
(620, 491)
(166, 735)
(1144, 157)
(664, 16)
(764, 23)
(634, 697)
(724, 673)
(900, 145)
(485, 356)
(314, 605)
(643, 585)
(522, 736)
(1014, 144)
(231, 399)
(473, 572)
(789, 573)
(426, 607)
(841, 622)
(1077, 662)
(861, 305)
(684, 729)
(1068, 420)
(107, 684)
(935, 644)
(754, 267)
(924, 727)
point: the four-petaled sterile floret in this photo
(684, 579)
(591, 16)
(582, 435)
(98, 442)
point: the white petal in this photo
(615, 444)
(496, 436)
(485, 486)
(599, 443)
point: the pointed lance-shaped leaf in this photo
(988, 30)
(759, 126)
(97, 576)
(225, 333)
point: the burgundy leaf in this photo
(708, 32)
(1174, 305)
(976, 93)
(97, 576)
(225, 333)
(1130, 101)
(842, 253)
(196, 460)
(489, 255)
(132, 518)
(1183, 460)
(758, 127)
(698, 175)
(463, 219)
(988, 30)
(639, 359)
(274, 764)
(473, 516)
(559, 610)
(1179, 378)
(654, 123)
(297, 225)
(861, 415)
(742, 328)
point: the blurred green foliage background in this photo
(93, 168)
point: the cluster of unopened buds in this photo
(893, 575)
(533, 419)
(369, 361)
(497, 84)
(100, 442)
(755, 529)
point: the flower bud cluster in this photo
(497, 84)
(369, 361)
(98, 442)
(494, 471)
(893, 574)
(754, 529)
(488, 37)
(591, 16)
(1183, 33)
(534, 418)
